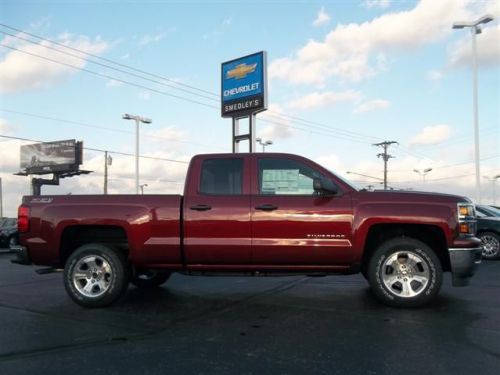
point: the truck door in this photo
(217, 212)
(291, 223)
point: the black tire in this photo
(405, 272)
(148, 279)
(491, 245)
(96, 275)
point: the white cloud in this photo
(331, 162)
(144, 95)
(434, 75)
(488, 49)
(431, 135)
(350, 51)
(372, 105)
(376, 4)
(113, 83)
(21, 72)
(317, 100)
(322, 18)
(151, 38)
(277, 127)
(4, 127)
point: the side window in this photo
(222, 177)
(286, 177)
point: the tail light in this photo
(23, 219)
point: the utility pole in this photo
(108, 160)
(385, 156)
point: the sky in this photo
(343, 75)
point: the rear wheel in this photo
(404, 272)
(149, 278)
(491, 245)
(95, 275)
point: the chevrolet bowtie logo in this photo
(241, 71)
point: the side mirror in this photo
(325, 186)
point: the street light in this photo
(475, 29)
(137, 119)
(263, 143)
(423, 173)
(142, 188)
(493, 183)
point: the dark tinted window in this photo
(222, 176)
(286, 177)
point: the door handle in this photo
(267, 207)
(201, 207)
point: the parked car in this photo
(488, 230)
(8, 233)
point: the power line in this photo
(100, 150)
(339, 132)
(109, 77)
(65, 121)
(108, 60)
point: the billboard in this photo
(51, 157)
(244, 85)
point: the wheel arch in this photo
(74, 236)
(431, 235)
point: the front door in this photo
(291, 223)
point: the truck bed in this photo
(150, 224)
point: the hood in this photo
(402, 196)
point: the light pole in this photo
(423, 173)
(263, 143)
(493, 183)
(108, 160)
(142, 188)
(475, 29)
(137, 119)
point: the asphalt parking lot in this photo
(233, 325)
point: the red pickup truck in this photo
(253, 214)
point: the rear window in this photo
(222, 177)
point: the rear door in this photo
(217, 212)
(291, 223)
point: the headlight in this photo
(467, 224)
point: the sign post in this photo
(244, 94)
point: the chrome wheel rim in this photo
(92, 276)
(12, 242)
(405, 274)
(491, 246)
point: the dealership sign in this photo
(244, 85)
(51, 157)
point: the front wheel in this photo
(147, 279)
(95, 275)
(404, 272)
(491, 245)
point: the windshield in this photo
(488, 211)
